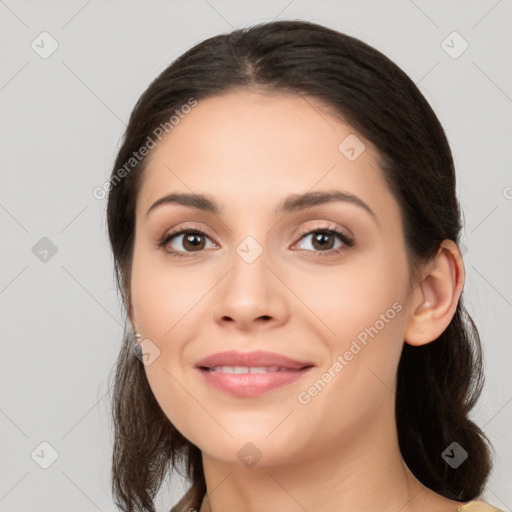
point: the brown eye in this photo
(323, 241)
(185, 241)
(193, 241)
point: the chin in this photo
(252, 443)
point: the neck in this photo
(363, 474)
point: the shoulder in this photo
(478, 506)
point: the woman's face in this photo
(267, 272)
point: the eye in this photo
(323, 241)
(193, 240)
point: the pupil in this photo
(193, 239)
(320, 239)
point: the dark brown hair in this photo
(438, 383)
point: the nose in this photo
(250, 296)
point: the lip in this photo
(251, 384)
(251, 359)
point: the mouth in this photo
(250, 373)
(248, 369)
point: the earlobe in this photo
(437, 296)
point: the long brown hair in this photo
(438, 383)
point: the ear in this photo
(436, 297)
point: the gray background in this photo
(61, 123)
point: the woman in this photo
(284, 224)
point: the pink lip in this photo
(251, 384)
(251, 359)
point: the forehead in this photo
(255, 148)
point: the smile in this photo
(248, 369)
(246, 374)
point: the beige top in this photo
(478, 506)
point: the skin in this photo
(339, 451)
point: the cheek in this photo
(364, 308)
(164, 302)
(357, 382)
(167, 303)
(353, 299)
(162, 296)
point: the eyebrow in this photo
(290, 204)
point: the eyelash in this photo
(347, 241)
